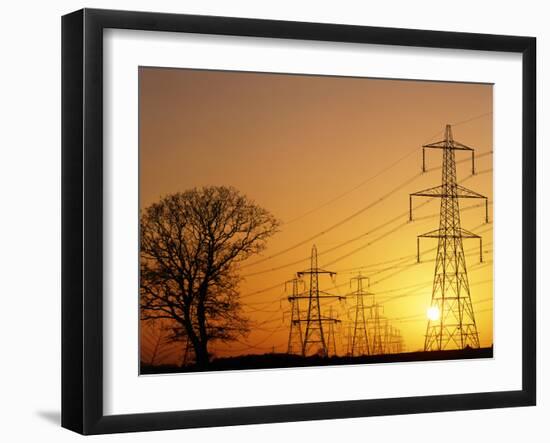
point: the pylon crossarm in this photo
(356, 293)
(432, 234)
(436, 191)
(329, 295)
(305, 320)
(450, 144)
(462, 192)
(467, 234)
(462, 146)
(437, 145)
(315, 271)
(358, 279)
(457, 146)
(320, 296)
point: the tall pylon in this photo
(295, 337)
(313, 333)
(451, 323)
(360, 334)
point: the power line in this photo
(260, 291)
(262, 311)
(415, 292)
(335, 225)
(366, 245)
(334, 248)
(376, 240)
(361, 184)
(422, 317)
(338, 246)
(278, 285)
(301, 260)
(402, 265)
(427, 282)
(472, 119)
(281, 284)
(410, 266)
(256, 345)
(462, 122)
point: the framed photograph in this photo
(268, 221)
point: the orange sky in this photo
(314, 150)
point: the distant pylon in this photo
(360, 336)
(349, 338)
(393, 342)
(295, 338)
(376, 345)
(451, 323)
(395, 345)
(313, 333)
(386, 331)
(331, 336)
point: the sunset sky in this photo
(315, 150)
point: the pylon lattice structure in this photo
(314, 334)
(359, 332)
(453, 326)
(375, 326)
(331, 336)
(393, 341)
(348, 338)
(295, 337)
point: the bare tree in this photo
(191, 244)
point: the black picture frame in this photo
(82, 218)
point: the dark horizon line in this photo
(289, 361)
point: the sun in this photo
(433, 313)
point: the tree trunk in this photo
(203, 360)
(198, 347)
(201, 355)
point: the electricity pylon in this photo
(376, 345)
(349, 338)
(295, 338)
(360, 339)
(397, 341)
(453, 324)
(314, 334)
(393, 342)
(331, 336)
